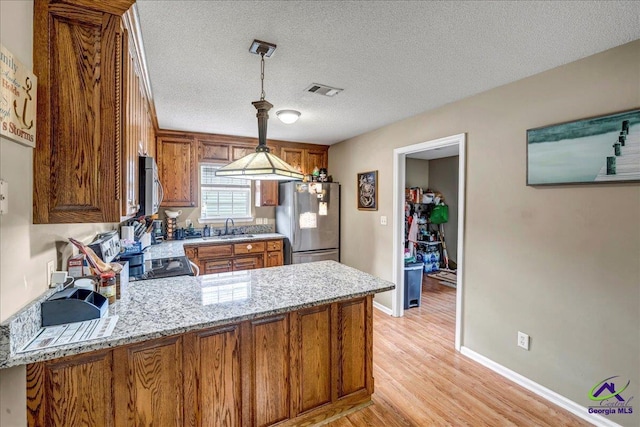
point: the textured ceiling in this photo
(394, 59)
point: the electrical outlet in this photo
(383, 220)
(523, 340)
(51, 267)
(258, 221)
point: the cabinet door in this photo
(178, 171)
(274, 259)
(266, 193)
(138, 130)
(354, 346)
(73, 391)
(213, 393)
(248, 263)
(238, 151)
(295, 157)
(149, 383)
(216, 266)
(311, 364)
(77, 158)
(268, 358)
(315, 158)
(213, 152)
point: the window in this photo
(223, 197)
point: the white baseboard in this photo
(383, 308)
(540, 390)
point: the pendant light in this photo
(262, 164)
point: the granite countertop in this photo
(161, 307)
(173, 248)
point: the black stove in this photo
(165, 267)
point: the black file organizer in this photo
(73, 305)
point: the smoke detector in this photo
(321, 89)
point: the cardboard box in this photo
(77, 266)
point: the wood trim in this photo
(114, 7)
(231, 139)
(42, 152)
(131, 21)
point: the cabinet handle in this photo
(249, 247)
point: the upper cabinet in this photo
(305, 159)
(178, 170)
(88, 117)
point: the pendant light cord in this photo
(262, 76)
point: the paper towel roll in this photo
(126, 232)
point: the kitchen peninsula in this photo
(283, 345)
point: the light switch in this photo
(383, 220)
(4, 197)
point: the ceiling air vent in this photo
(323, 89)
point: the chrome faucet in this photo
(226, 226)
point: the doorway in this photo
(443, 147)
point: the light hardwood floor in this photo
(433, 385)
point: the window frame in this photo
(210, 219)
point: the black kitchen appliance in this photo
(165, 267)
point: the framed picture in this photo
(601, 149)
(368, 191)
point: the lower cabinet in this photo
(296, 368)
(74, 391)
(148, 383)
(213, 380)
(214, 258)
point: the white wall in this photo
(559, 263)
(416, 173)
(443, 177)
(25, 248)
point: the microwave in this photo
(150, 189)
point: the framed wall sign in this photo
(594, 150)
(368, 191)
(18, 91)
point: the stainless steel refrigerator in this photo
(308, 214)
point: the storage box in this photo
(77, 266)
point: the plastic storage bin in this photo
(412, 284)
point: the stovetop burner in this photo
(166, 267)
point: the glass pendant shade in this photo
(260, 165)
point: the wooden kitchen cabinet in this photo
(214, 258)
(139, 135)
(72, 391)
(313, 369)
(213, 380)
(77, 54)
(305, 159)
(315, 158)
(94, 112)
(149, 386)
(178, 171)
(266, 193)
(295, 368)
(274, 253)
(269, 370)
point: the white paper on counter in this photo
(53, 336)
